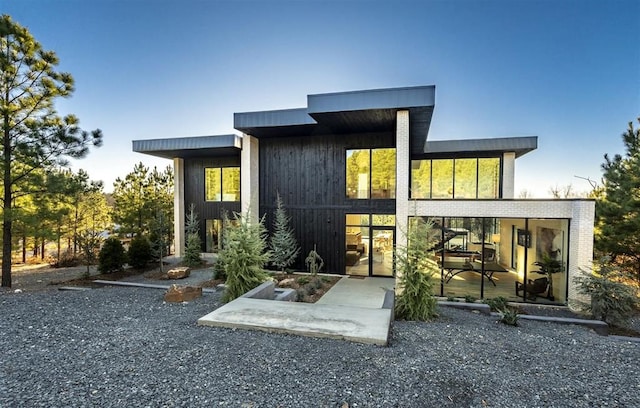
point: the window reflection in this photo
(231, 184)
(358, 173)
(442, 178)
(371, 173)
(212, 184)
(421, 179)
(489, 178)
(464, 178)
(383, 173)
(222, 184)
(386, 220)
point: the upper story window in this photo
(371, 173)
(222, 184)
(462, 178)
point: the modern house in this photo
(353, 168)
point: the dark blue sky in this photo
(566, 71)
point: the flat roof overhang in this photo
(285, 122)
(346, 112)
(187, 147)
(519, 145)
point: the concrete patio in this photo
(351, 310)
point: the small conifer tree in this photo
(159, 238)
(244, 254)
(194, 244)
(139, 253)
(415, 266)
(605, 295)
(89, 242)
(112, 256)
(283, 244)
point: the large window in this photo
(488, 178)
(371, 173)
(518, 259)
(442, 178)
(462, 178)
(222, 184)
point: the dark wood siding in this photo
(309, 173)
(194, 190)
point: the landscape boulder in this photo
(285, 283)
(182, 293)
(179, 272)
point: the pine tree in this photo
(283, 244)
(139, 196)
(89, 242)
(244, 254)
(32, 134)
(194, 244)
(618, 205)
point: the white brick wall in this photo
(581, 243)
(402, 176)
(579, 212)
(505, 208)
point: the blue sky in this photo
(565, 71)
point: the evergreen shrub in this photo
(218, 270)
(244, 254)
(415, 265)
(139, 253)
(283, 245)
(610, 299)
(112, 256)
(193, 245)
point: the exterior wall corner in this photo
(403, 162)
(508, 174)
(581, 246)
(178, 206)
(249, 176)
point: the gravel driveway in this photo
(113, 347)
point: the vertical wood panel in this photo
(309, 172)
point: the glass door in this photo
(369, 242)
(382, 240)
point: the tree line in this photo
(42, 201)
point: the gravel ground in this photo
(41, 277)
(125, 347)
